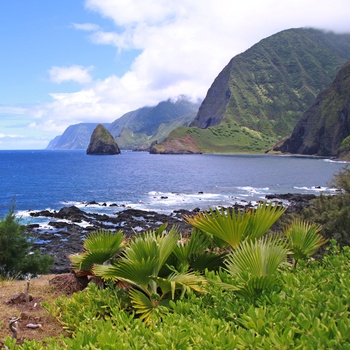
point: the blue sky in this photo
(69, 61)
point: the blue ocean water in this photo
(38, 180)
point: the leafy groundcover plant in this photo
(251, 299)
(308, 310)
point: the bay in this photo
(42, 179)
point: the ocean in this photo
(42, 179)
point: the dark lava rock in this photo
(65, 235)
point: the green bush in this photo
(333, 212)
(308, 310)
(17, 257)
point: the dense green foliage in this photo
(253, 298)
(308, 309)
(17, 256)
(333, 212)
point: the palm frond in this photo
(176, 281)
(262, 218)
(193, 249)
(135, 272)
(85, 261)
(224, 224)
(254, 263)
(304, 238)
(207, 260)
(259, 258)
(189, 280)
(99, 240)
(100, 246)
(142, 304)
(256, 285)
(166, 245)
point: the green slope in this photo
(262, 93)
(324, 128)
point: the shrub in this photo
(16, 255)
(309, 310)
(333, 212)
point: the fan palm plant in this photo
(304, 239)
(140, 266)
(193, 253)
(99, 247)
(233, 227)
(253, 265)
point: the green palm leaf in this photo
(142, 304)
(262, 218)
(182, 281)
(136, 273)
(142, 258)
(193, 253)
(100, 247)
(254, 263)
(304, 239)
(224, 224)
(104, 240)
(233, 227)
(152, 245)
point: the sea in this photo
(45, 179)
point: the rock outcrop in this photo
(64, 234)
(325, 126)
(102, 142)
(184, 145)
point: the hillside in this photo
(139, 128)
(324, 128)
(135, 129)
(74, 137)
(257, 99)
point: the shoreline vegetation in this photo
(67, 227)
(262, 276)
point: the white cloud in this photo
(185, 44)
(87, 27)
(11, 136)
(182, 46)
(12, 110)
(74, 73)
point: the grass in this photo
(223, 138)
(29, 312)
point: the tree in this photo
(17, 257)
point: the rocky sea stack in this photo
(102, 142)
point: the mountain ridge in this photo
(136, 129)
(258, 97)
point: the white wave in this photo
(253, 189)
(316, 188)
(336, 161)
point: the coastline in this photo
(64, 233)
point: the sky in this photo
(66, 62)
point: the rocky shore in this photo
(67, 227)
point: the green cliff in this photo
(257, 99)
(324, 129)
